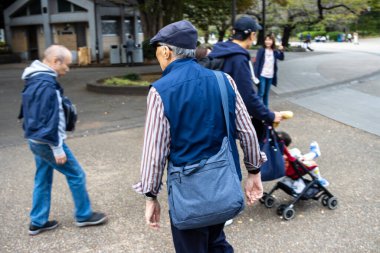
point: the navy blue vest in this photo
(193, 107)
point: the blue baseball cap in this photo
(181, 34)
(246, 25)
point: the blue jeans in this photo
(209, 239)
(264, 89)
(43, 181)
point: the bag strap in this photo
(223, 92)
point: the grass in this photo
(132, 79)
(116, 81)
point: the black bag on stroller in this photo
(313, 189)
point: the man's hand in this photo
(152, 213)
(60, 160)
(277, 117)
(253, 188)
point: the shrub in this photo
(312, 33)
(132, 76)
(333, 36)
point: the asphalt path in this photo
(108, 144)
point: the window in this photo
(139, 26)
(78, 8)
(31, 8)
(21, 12)
(35, 7)
(110, 27)
(66, 6)
(128, 27)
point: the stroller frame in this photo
(313, 190)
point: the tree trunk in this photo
(286, 35)
(260, 38)
(151, 17)
(221, 34)
(207, 36)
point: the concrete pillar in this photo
(98, 21)
(8, 32)
(122, 26)
(46, 23)
(92, 28)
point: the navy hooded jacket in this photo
(237, 66)
(40, 105)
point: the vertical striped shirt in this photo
(157, 139)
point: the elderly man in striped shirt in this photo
(185, 124)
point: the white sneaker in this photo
(314, 147)
(323, 182)
(229, 222)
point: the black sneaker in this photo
(35, 230)
(95, 219)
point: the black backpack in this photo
(212, 63)
(71, 114)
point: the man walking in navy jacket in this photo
(45, 125)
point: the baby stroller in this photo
(313, 189)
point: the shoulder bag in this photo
(209, 192)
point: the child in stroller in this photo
(292, 179)
(295, 183)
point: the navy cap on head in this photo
(180, 34)
(246, 25)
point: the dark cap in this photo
(246, 25)
(180, 34)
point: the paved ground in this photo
(109, 140)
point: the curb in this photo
(117, 90)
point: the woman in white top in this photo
(266, 66)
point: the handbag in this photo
(209, 192)
(71, 115)
(273, 148)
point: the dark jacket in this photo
(259, 63)
(237, 66)
(40, 107)
(193, 107)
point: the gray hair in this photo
(58, 51)
(180, 53)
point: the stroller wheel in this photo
(262, 199)
(269, 201)
(288, 213)
(325, 198)
(281, 208)
(332, 203)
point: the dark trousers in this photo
(129, 58)
(201, 240)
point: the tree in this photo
(155, 14)
(206, 13)
(288, 14)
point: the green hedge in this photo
(333, 36)
(312, 33)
